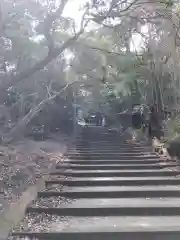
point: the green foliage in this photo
(167, 3)
(109, 75)
(173, 129)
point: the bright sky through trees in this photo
(72, 10)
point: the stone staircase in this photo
(106, 189)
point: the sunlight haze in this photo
(72, 10)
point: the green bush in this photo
(172, 129)
(172, 137)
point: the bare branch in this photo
(123, 12)
(101, 18)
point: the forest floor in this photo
(23, 163)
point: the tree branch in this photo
(48, 24)
(101, 18)
(40, 65)
(56, 52)
(104, 50)
(13, 80)
(121, 13)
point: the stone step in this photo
(113, 167)
(113, 157)
(113, 192)
(102, 228)
(115, 162)
(109, 207)
(115, 173)
(108, 202)
(98, 149)
(108, 147)
(111, 154)
(147, 181)
(137, 235)
(108, 211)
(114, 152)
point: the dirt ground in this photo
(23, 163)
